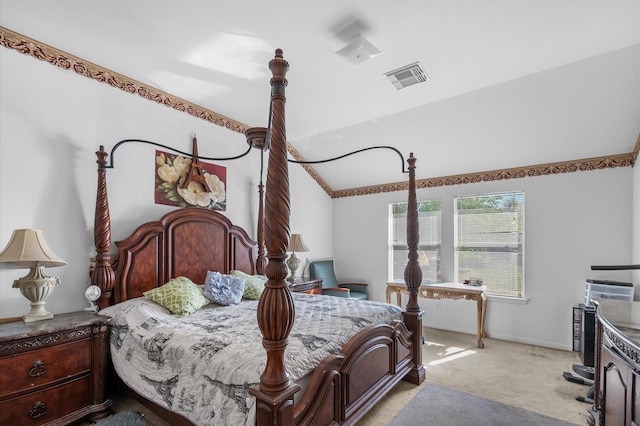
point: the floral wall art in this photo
(172, 172)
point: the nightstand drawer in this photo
(53, 372)
(27, 371)
(42, 407)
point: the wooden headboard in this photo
(186, 242)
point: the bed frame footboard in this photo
(345, 386)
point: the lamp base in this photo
(36, 287)
(293, 263)
(37, 313)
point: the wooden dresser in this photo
(617, 396)
(53, 371)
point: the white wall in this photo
(572, 221)
(51, 123)
(311, 216)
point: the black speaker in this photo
(588, 335)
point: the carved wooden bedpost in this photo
(276, 311)
(102, 274)
(413, 278)
(257, 138)
(261, 261)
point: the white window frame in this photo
(504, 236)
(430, 226)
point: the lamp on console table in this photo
(28, 249)
(295, 245)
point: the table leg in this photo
(398, 292)
(484, 315)
(480, 323)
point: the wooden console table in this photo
(447, 291)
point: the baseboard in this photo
(513, 339)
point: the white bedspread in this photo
(202, 365)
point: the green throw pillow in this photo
(180, 296)
(253, 284)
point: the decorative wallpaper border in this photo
(596, 163)
(298, 157)
(59, 58)
(43, 52)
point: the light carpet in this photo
(439, 405)
(124, 418)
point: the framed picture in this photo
(178, 182)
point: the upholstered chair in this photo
(324, 269)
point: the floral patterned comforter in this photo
(203, 365)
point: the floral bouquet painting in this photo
(206, 185)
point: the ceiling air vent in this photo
(407, 76)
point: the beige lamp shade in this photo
(26, 248)
(296, 244)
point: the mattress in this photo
(202, 365)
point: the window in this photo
(428, 245)
(489, 242)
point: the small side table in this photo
(306, 285)
(54, 371)
(453, 291)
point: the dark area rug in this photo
(124, 418)
(439, 405)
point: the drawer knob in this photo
(38, 410)
(37, 369)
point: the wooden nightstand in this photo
(53, 371)
(306, 285)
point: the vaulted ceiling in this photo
(510, 83)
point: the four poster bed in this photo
(309, 359)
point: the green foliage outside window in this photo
(428, 244)
(489, 241)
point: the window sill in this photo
(503, 299)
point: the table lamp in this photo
(295, 245)
(28, 249)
